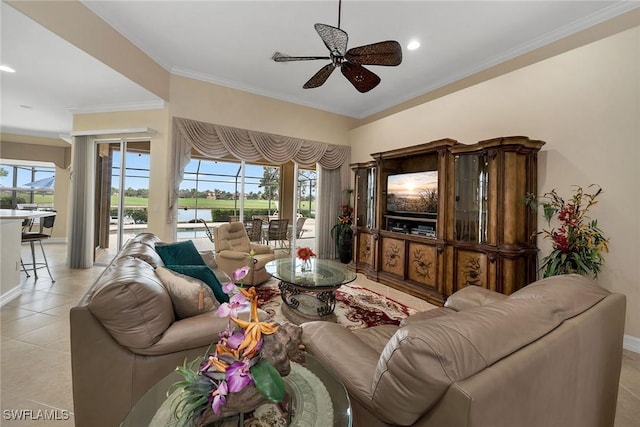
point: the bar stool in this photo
(46, 227)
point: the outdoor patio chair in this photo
(254, 230)
(278, 234)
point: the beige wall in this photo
(211, 103)
(586, 105)
(159, 121)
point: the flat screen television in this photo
(413, 193)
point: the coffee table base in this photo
(307, 305)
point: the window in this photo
(212, 190)
(24, 184)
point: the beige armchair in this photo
(232, 247)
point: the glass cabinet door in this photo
(365, 203)
(471, 184)
(371, 197)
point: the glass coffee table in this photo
(308, 288)
(317, 399)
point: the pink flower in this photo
(219, 397)
(238, 376)
(235, 340)
(230, 309)
(228, 288)
(240, 273)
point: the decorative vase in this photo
(345, 247)
(305, 266)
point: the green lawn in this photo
(188, 203)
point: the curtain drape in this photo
(81, 205)
(218, 142)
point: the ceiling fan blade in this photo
(361, 78)
(384, 53)
(320, 77)
(334, 38)
(281, 57)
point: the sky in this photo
(412, 183)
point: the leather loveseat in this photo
(125, 336)
(547, 355)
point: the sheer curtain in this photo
(217, 141)
(81, 204)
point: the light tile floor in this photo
(35, 373)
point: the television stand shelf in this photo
(412, 225)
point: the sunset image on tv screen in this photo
(413, 192)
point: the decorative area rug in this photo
(356, 307)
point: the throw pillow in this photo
(179, 253)
(204, 273)
(189, 296)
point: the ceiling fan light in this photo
(413, 45)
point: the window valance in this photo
(217, 141)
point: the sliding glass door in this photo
(121, 194)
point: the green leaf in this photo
(268, 381)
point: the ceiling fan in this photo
(350, 62)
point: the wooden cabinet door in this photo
(422, 265)
(365, 249)
(392, 257)
(471, 269)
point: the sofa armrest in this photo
(191, 332)
(426, 315)
(260, 249)
(471, 297)
(234, 256)
(343, 353)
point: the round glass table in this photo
(317, 398)
(307, 287)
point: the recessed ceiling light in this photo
(7, 69)
(413, 45)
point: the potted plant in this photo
(577, 242)
(343, 234)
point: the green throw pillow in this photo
(204, 273)
(180, 253)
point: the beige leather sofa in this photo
(547, 355)
(125, 336)
(232, 248)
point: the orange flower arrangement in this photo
(305, 253)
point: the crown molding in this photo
(113, 108)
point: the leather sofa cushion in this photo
(142, 250)
(131, 303)
(471, 297)
(148, 239)
(189, 295)
(569, 294)
(206, 274)
(451, 348)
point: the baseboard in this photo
(12, 294)
(631, 343)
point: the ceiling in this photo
(230, 43)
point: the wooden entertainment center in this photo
(436, 217)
